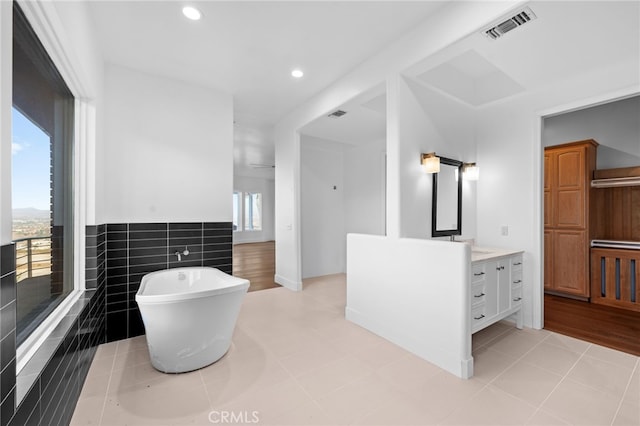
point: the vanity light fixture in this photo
(470, 171)
(191, 13)
(430, 162)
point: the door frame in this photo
(538, 180)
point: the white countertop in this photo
(485, 253)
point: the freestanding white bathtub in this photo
(189, 315)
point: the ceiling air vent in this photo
(337, 113)
(512, 23)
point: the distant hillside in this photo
(30, 213)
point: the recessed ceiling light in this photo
(191, 13)
(297, 73)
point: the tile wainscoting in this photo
(7, 332)
(117, 257)
(135, 249)
(47, 388)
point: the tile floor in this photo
(295, 360)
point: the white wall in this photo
(615, 126)
(431, 122)
(364, 188)
(424, 310)
(510, 157)
(355, 206)
(267, 188)
(322, 207)
(433, 35)
(167, 150)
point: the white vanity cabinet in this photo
(496, 288)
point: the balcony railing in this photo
(33, 257)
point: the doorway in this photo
(342, 181)
(256, 262)
(614, 126)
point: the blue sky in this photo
(30, 164)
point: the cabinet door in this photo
(491, 288)
(570, 262)
(548, 260)
(569, 200)
(549, 174)
(503, 270)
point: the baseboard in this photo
(284, 282)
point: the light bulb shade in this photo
(470, 171)
(430, 162)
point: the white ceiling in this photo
(364, 121)
(566, 40)
(249, 48)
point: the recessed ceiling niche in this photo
(470, 78)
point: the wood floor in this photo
(603, 325)
(257, 263)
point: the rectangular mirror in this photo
(446, 205)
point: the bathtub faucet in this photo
(184, 253)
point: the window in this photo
(253, 211)
(42, 172)
(237, 196)
(247, 216)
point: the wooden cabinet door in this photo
(570, 262)
(569, 201)
(548, 260)
(548, 184)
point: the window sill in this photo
(29, 374)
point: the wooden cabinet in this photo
(496, 291)
(615, 277)
(568, 170)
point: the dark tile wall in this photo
(135, 249)
(52, 396)
(96, 255)
(117, 257)
(7, 332)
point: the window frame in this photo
(43, 18)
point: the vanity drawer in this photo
(478, 315)
(478, 272)
(478, 293)
(516, 263)
(516, 278)
(516, 295)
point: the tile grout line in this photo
(485, 344)
(106, 395)
(514, 363)
(636, 367)
(518, 359)
(206, 391)
(559, 383)
(579, 354)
